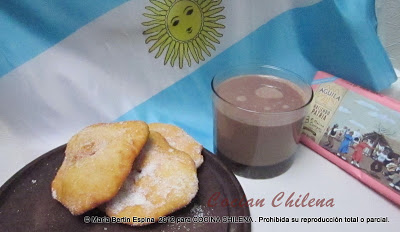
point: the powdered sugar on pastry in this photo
(97, 161)
(162, 181)
(179, 139)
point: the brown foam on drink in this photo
(268, 92)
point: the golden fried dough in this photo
(97, 161)
(179, 139)
(162, 181)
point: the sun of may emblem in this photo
(185, 29)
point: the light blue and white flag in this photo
(67, 64)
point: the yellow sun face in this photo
(183, 29)
(184, 20)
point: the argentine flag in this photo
(67, 64)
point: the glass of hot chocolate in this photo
(258, 115)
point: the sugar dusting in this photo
(195, 211)
(179, 139)
(241, 98)
(54, 193)
(93, 139)
(147, 182)
(129, 195)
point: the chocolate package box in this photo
(357, 130)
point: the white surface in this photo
(313, 174)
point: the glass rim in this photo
(266, 67)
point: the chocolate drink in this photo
(257, 124)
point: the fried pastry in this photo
(179, 139)
(162, 181)
(97, 162)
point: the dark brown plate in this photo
(26, 203)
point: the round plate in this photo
(26, 203)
